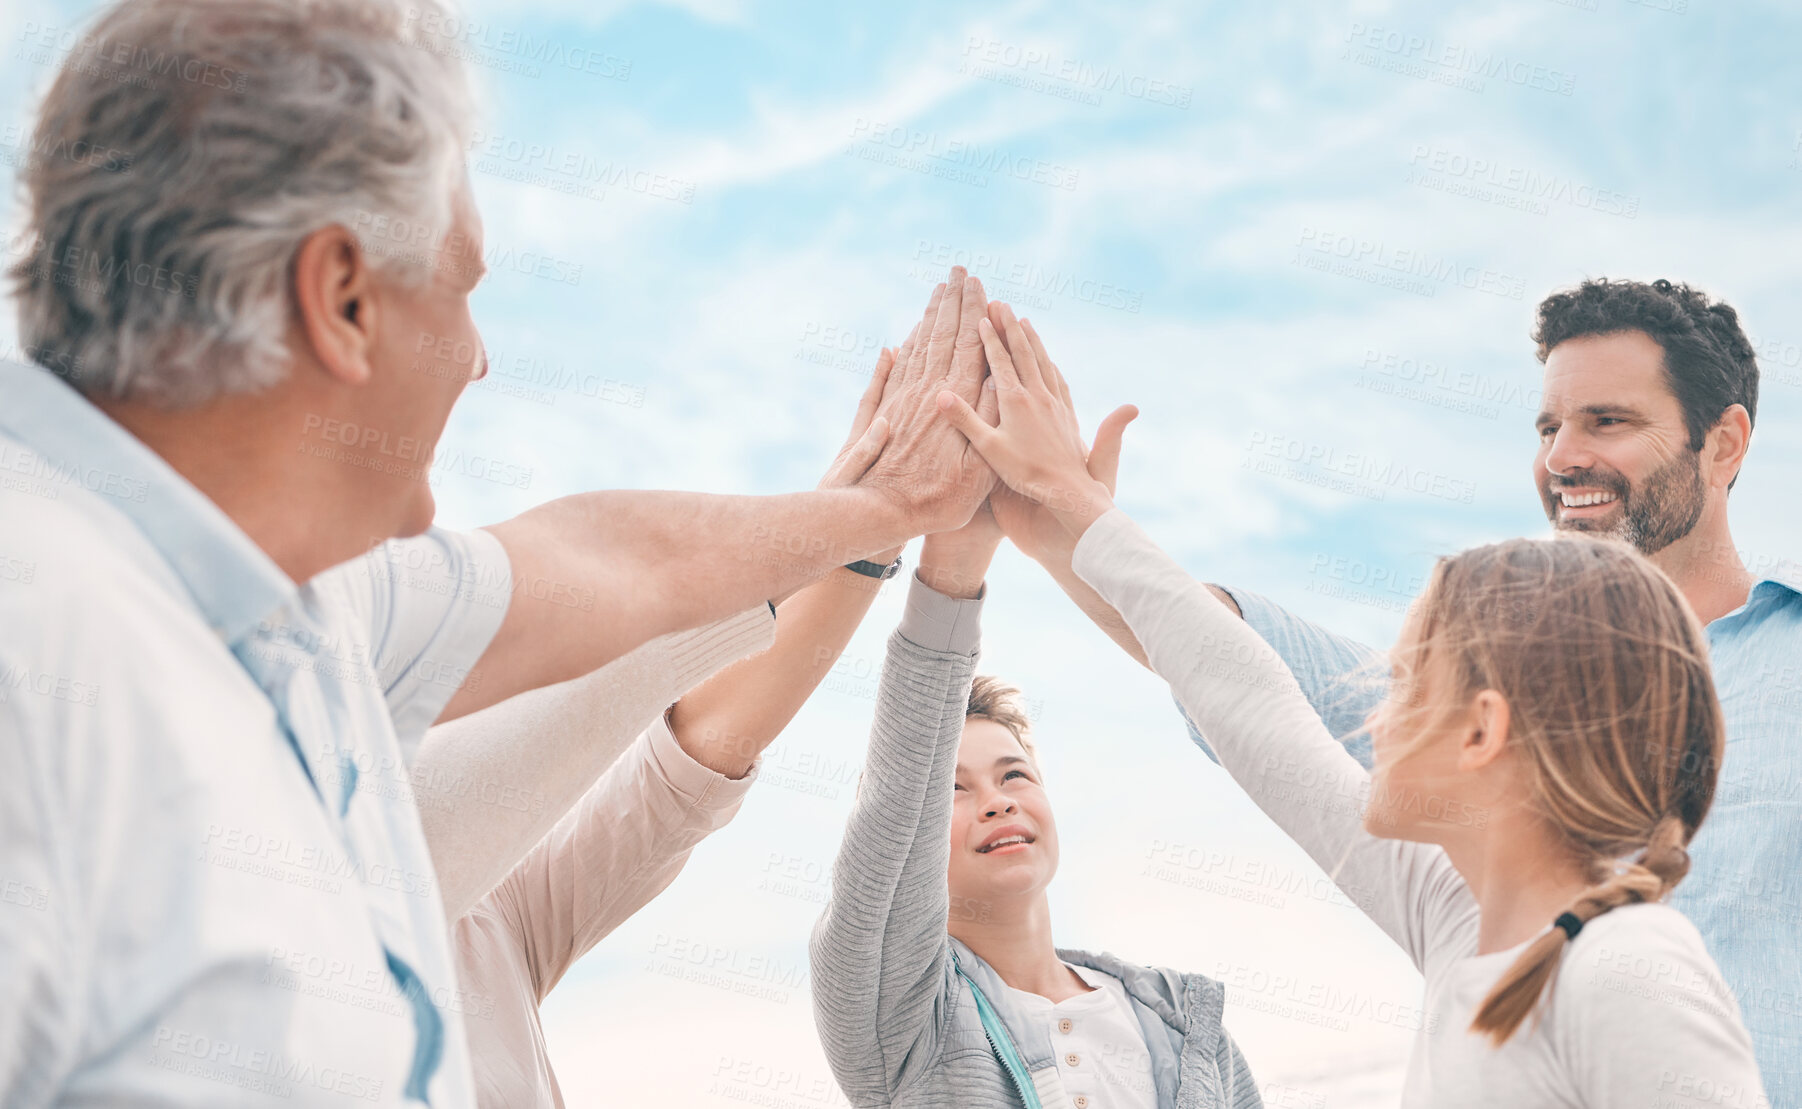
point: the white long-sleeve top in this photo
(622, 842)
(1638, 1017)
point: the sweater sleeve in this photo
(1240, 694)
(622, 845)
(491, 784)
(880, 950)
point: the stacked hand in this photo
(925, 466)
(1055, 486)
(1005, 409)
(869, 434)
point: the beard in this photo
(1665, 508)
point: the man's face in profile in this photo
(428, 351)
(1614, 456)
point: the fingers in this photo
(988, 404)
(872, 395)
(1001, 364)
(943, 343)
(867, 449)
(998, 316)
(964, 419)
(1104, 456)
(1054, 377)
(1026, 364)
(967, 361)
(914, 366)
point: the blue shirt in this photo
(1744, 888)
(214, 887)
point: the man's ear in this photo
(1486, 733)
(1724, 450)
(335, 297)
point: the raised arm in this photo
(1341, 677)
(880, 951)
(1227, 679)
(633, 831)
(1266, 735)
(728, 722)
(491, 784)
(596, 574)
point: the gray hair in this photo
(186, 150)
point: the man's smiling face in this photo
(1614, 455)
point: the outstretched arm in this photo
(491, 784)
(1227, 679)
(630, 835)
(880, 950)
(1341, 677)
(728, 722)
(596, 574)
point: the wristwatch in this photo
(875, 569)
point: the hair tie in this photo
(1570, 924)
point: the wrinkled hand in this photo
(928, 468)
(869, 433)
(1037, 449)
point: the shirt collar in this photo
(233, 582)
(1786, 573)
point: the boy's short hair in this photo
(995, 700)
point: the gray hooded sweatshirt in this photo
(899, 1025)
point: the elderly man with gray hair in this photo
(239, 620)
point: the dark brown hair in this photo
(1709, 363)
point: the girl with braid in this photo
(1548, 747)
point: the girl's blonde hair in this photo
(1611, 706)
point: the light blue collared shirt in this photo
(214, 886)
(1744, 888)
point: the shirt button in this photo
(1080, 1102)
(1073, 1059)
(1065, 1025)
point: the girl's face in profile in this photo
(1417, 790)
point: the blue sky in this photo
(1284, 231)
